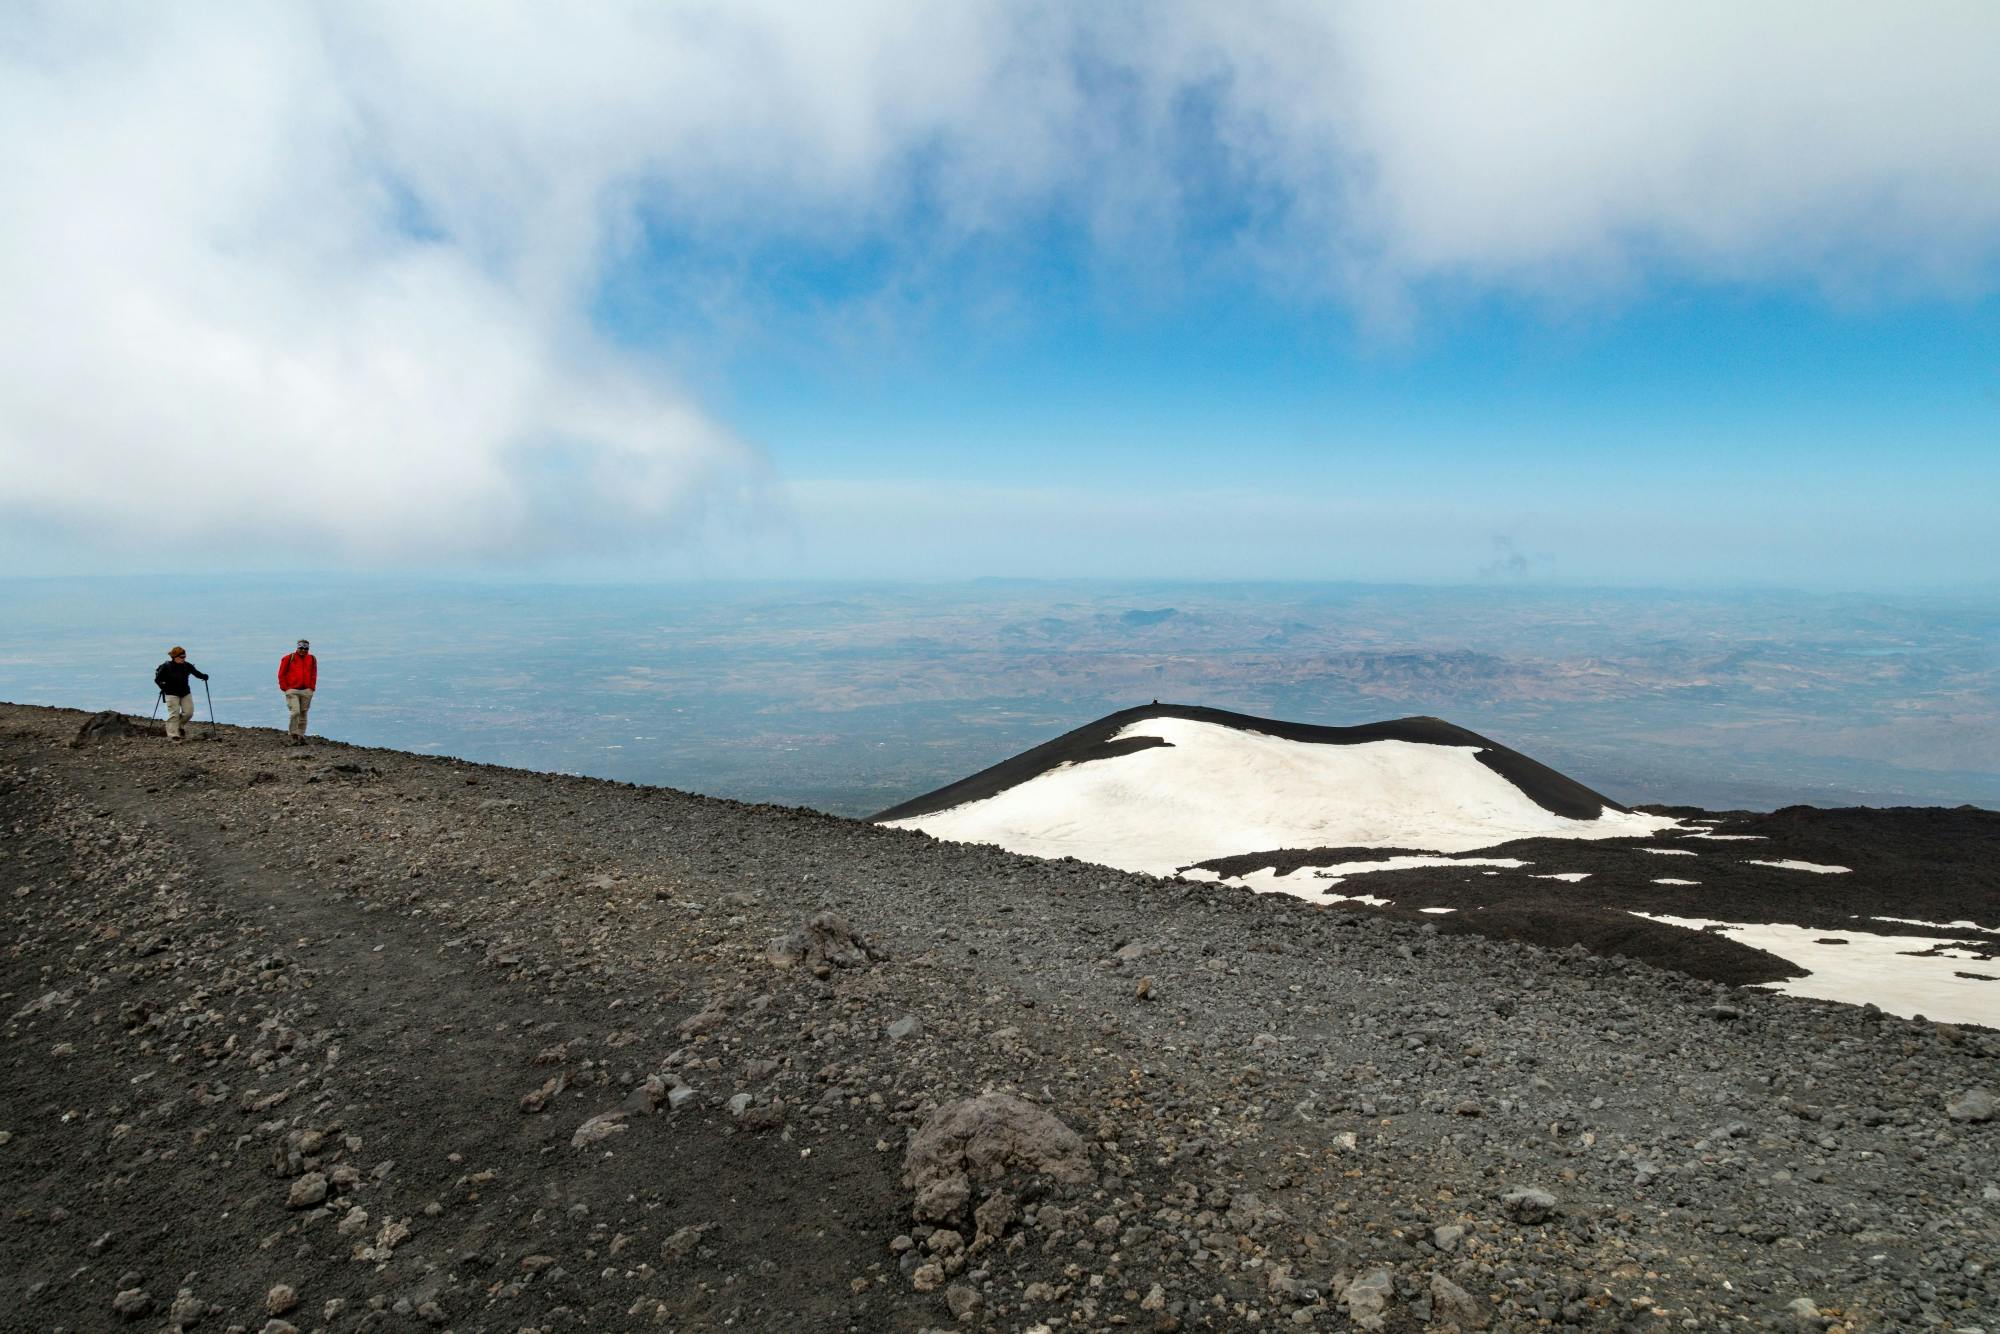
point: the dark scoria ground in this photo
(1926, 864)
(238, 975)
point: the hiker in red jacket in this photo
(298, 677)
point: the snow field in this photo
(1892, 972)
(1216, 791)
(1940, 926)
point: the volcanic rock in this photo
(1975, 1104)
(986, 1138)
(825, 940)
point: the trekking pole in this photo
(156, 706)
(211, 702)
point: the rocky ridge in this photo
(334, 1038)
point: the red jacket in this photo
(298, 671)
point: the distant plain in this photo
(851, 697)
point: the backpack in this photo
(160, 677)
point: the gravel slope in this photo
(329, 1037)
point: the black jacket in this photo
(172, 677)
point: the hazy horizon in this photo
(851, 697)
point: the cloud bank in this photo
(325, 274)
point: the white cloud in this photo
(221, 331)
(326, 271)
(1831, 143)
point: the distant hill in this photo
(1165, 786)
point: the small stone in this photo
(132, 1303)
(281, 1298)
(308, 1191)
(1447, 1236)
(705, 1022)
(739, 1104)
(597, 1129)
(992, 1219)
(353, 1223)
(1144, 990)
(1975, 1104)
(683, 1241)
(537, 1099)
(1528, 1204)
(1367, 1297)
(1453, 1304)
(535, 1264)
(927, 1278)
(963, 1299)
(909, 1026)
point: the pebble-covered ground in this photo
(332, 1038)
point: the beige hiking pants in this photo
(180, 712)
(298, 701)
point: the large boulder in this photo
(824, 943)
(988, 1138)
(107, 723)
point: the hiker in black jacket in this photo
(172, 679)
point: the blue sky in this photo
(1719, 379)
(1644, 294)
